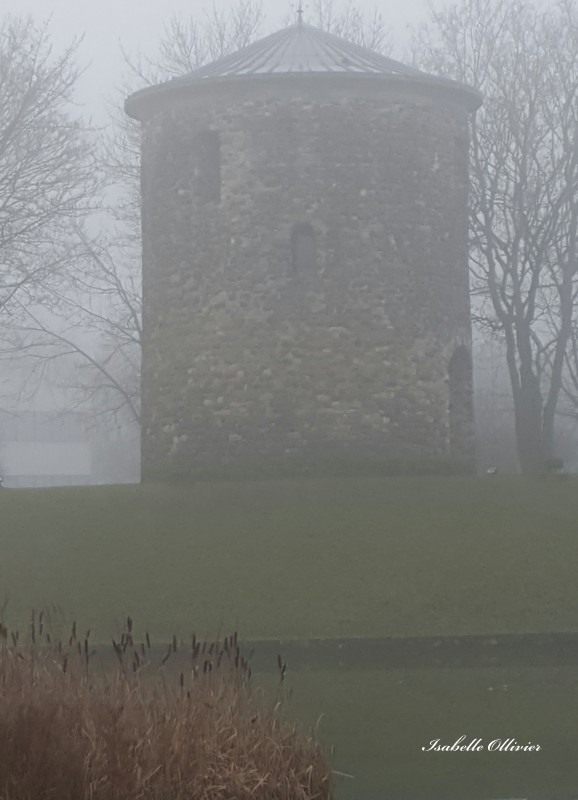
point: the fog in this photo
(135, 25)
(109, 28)
(50, 407)
(321, 308)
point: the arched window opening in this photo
(208, 167)
(303, 247)
(460, 400)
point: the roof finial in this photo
(300, 13)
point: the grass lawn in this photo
(379, 721)
(298, 558)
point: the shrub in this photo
(127, 730)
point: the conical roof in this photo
(297, 49)
(301, 49)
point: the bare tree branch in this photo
(48, 178)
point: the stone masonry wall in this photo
(247, 362)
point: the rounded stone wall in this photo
(305, 276)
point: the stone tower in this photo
(305, 263)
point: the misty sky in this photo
(138, 24)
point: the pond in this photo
(379, 722)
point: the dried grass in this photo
(132, 731)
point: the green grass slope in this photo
(298, 558)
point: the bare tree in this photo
(188, 44)
(92, 325)
(47, 175)
(524, 189)
(352, 23)
(570, 379)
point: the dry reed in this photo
(133, 730)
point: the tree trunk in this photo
(529, 434)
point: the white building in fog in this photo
(46, 449)
(39, 449)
